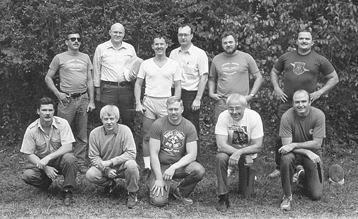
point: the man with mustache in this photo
(47, 146)
(302, 130)
(75, 93)
(299, 69)
(159, 74)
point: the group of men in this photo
(174, 87)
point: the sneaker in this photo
(68, 197)
(286, 203)
(145, 174)
(177, 194)
(82, 169)
(132, 200)
(274, 174)
(223, 203)
(296, 176)
(108, 190)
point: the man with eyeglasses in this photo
(110, 81)
(173, 151)
(239, 136)
(194, 63)
(230, 73)
(75, 93)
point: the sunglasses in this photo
(73, 39)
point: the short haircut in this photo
(237, 98)
(109, 110)
(159, 36)
(174, 99)
(45, 101)
(305, 31)
(187, 25)
(228, 33)
(72, 32)
(301, 91)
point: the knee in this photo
(27, 175)
(92, 174)
(286, 160)
(221, 158)
(131, 166)
(69, 158)
(200, 172)
(317, 194)
(158, 201)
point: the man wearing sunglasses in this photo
(75, 93)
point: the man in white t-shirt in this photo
(159, 73)
(239, 136)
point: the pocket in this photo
(55, 143)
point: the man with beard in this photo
(302, 131)
(76, 93)
(173, 150)
(109, 78)
(300, 69)
(159, 74)
(229, 73)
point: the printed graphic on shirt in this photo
(230, 68)
(239, 135)
(299, 68)
(76, 65)
(173, 140)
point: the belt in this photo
(113, 83)
(74, 95)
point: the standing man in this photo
(302, 130)
(300, 70)
(239, 136)
(76, 93)
(47, 146)
(159, 73)
(229, 73)
(173, 151)
(109, 78)
(194, 63)
(112, 152)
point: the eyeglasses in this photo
(185, 35)
(73, 39)
(235, 109)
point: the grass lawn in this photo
(19, 200)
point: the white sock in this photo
(146, 162)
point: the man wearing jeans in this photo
(173, 151)
(76, 93)
(302, 130)
(239, 136)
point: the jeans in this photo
(312, 180)
(75, 112)
(65, 165)
(123, 98)
(191, 174)
(131, 174)
(246, 175)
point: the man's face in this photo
(109, 122)
(73, 41)
(46, 112)
(175, 111)
(301, 103)
(229, 45)
(117, 33)
(304, 41)
(236, 111)
(185, 36)
(159, 46)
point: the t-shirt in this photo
(37, 142)
(301, 71)
(303, 129)
(173, 138)
(73, 71)
(232, 72)
(158, 80)
(240, 132)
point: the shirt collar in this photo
(54, 124)
(110, 45)
(190, 50)
(115, 130)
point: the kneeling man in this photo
(112, 152)
(173, 150)
(239, 136)
(47, 145)
(302, 131)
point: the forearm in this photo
(51, 86)
(301, 151)
(61, 151)
(155, 164)
(257, 83)
(309, 145)
(202, 84)
(90, 90)
(211, 86)
(177, 89)
(184, 161)
(128, 155)
(33, 159)
(274, 80)
(137, 91)
(329, 85)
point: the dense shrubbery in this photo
(32, 33)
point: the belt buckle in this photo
(74, 95)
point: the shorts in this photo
(155, 107)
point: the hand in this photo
(62, 97)
(168, 174)
(234, 159)
(98, 94)
(215, 97)
(314, 157)
(91, 106)
(51, 172)
(248, 160)
(286, 148)
(112, 173)
(281, 95)
(159, 187)
(99, 165)
(315, 95)
(42, 163)
(196, 104)
(248, 98)
(139, 108)
(106, 163)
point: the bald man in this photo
(110, 84)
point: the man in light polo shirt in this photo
(109, 80)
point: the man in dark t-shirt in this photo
(300, 69)
(173, 151)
